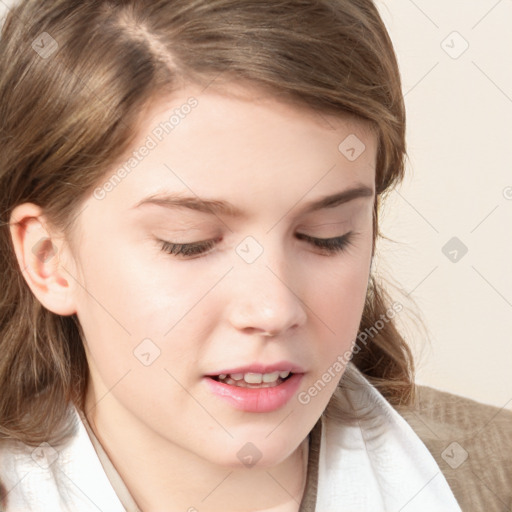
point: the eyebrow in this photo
(221, 207)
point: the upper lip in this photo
(281, 366)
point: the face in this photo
(171, 296)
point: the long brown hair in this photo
(76, 77)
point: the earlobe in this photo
(39, 254)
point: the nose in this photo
(265, 297)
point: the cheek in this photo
(338, 302)
(130, 306)
(338, 308)
(341, 286)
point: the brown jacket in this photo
(470, 441)
(472, 444)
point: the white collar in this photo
(380, 464)
(64, 478)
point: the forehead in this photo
(243, 144)
(252, 101)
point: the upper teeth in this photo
(256, 378)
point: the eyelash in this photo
(330, 245)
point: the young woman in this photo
(188, 319)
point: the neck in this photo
(161, 475)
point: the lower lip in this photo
(257, 399)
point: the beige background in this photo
(458, 93)
(459, 184)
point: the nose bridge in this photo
(267, 290)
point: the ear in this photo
(40, 253)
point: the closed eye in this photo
(330, 246)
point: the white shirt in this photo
(377, 465)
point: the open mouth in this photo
(255, 392)
(253, 380)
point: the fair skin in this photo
(173, 441)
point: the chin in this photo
(246, 451)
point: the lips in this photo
(281, 366)
(260, 399)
